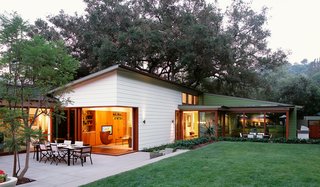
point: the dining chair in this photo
(82, 154)
(44, 153)
(57, 155)
(67, 142)
(78, 143)
(250, 136)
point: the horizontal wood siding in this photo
(157, 103)
(100, 91)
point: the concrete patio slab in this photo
(51, 175)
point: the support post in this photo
(287, 124)
(264, 123)
(243, 121)
(223, 124)
(217, 125)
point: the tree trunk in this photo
(26, 165)
(14, 171)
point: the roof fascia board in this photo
(259, 109)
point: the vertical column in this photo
(50, 128)
(243, 121)
(264, 123)
(198, 123)
(223, 124)
(287, 124)
(78, 124)
(217, 125)
(68, 123)
(178, 125)
(135, 113)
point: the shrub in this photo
(189, 144)
(182, 144)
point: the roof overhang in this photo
(261, 109)
(249, 109)
(312, 118)
(201, 108)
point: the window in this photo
(195, 100)
(184, 98)
(190, 99)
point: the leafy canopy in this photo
(191, 42)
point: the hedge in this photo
(190, 144)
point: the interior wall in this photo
(120, 118)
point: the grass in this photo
(229, 164)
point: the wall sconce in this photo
(144, 121)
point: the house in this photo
(121, 106)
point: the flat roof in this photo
(250, 109)
(312, 118)
(200, 107)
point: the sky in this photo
(294, 24)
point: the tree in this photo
(33, 67)
(245, 54)
(183, 41)
(301, 91)
(294, 84)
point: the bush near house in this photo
(193, 143)
(183, 144)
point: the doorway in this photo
(108, 127)
(64, 125)
(190, 124)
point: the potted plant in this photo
(3, 176)
(6, 181)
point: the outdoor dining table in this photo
(69, 149)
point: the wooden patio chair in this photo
(82, 154)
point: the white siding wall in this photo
(157, 105)
(156, 102)
(100, 91)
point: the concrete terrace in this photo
(76, 175)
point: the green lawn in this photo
(230, 164)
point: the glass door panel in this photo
(190, 124)
(207, 122)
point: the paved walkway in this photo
(75, 175)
